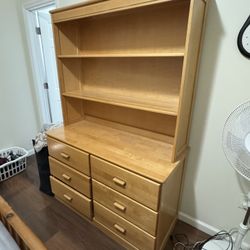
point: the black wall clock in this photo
(244, 39)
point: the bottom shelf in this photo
(142, 155)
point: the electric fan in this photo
(236, 146)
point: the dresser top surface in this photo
(145, 156)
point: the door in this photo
(42, 55)
(51, 85)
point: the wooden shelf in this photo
(175, 53)
(127, 71)
(142, 155)
(168, 106)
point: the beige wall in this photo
(63, 3)
(18, 122)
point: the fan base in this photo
(216, 245)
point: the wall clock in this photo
(244, 39)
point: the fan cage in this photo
(237, 127)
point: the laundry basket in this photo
(12, 168)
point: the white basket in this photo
(12, 168)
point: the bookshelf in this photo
(127, 73)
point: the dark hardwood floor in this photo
(55, 224)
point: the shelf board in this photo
(177, 53)
(148, 157)
(169, 106)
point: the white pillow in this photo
(6, 241)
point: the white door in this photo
(51, 85)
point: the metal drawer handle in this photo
(119, 229)
(119, 182)
(65, 156)
(66, 177)
(119, 206)
(68, 198)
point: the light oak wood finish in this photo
(69, 36)
(69, 155)
(123, 228)
(125, 182)
(127, 208)
(125, 31)
(73, 198)
(127, 74)
(132, 121)
(192, 50)
(113, 235)
(170, 53)
(168, 207)
(101, 8)
(60, 73)
(155, 87)
(73, 110)
(71, 177)
(20, 232)
(72, 75)
(144, 156)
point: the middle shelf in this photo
(149, 84)
(173, 52)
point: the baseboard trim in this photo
(198, 224)
(202, 226)
(31, 152)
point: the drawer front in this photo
(139, 188)
(123, 228)
(69, 176)
(69, 155)
(129, 209)
(71, 197)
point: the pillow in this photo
(6, 241)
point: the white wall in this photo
(212, 190)
(63, 3)
(18, 122)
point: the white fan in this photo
(236, 145)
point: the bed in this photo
(14, 233)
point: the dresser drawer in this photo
(71, 177)
(69, 155)
(129, 209)
(123, 228)
(71, 197)
(139, 188)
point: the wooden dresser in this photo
(127, 72)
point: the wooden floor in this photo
(56, 225)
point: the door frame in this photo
(34, 54)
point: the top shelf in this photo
(80, 11)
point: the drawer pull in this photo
(68, 198)
(119, 206)
(119, 182)
(119, 229)
(66, 177)
(65, 156)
